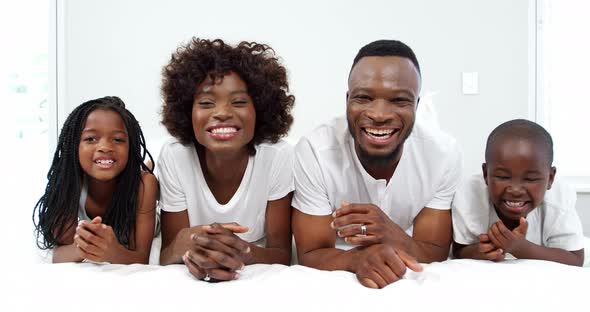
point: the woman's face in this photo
(223, 114)
(104, 145)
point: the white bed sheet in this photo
(453, 285)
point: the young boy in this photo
(508, 211)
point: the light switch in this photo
(470, 83)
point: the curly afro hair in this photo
(255, 63)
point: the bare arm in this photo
(67, 252)
(278, 234)
(530, 250)
(175, 237)
(432, 235)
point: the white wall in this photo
(115, 47)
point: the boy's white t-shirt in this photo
(327, 171)
(554, 223)
(268, 177)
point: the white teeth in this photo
(224, 130)
(379, 131)
(105, 161)
(514, 204)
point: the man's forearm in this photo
(424, 252)
(331, 259)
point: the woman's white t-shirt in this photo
(268, 176)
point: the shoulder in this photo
(148, 189)
(172, 147)
(329, 136)
(431, 137)
(560, 198)
(471, 191)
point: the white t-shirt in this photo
(268, 177)
(554, 223)
(327, 171)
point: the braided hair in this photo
(56, 210)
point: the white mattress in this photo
(453, 285)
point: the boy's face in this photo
(517, 175)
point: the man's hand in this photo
(380, 265)
(489, 250)
(218, 252)
(350, 218)
(509, 241)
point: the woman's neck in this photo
(101, 192)
(223, 172)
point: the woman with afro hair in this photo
(226, 178)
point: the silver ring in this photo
(363, 229)
(207, 277)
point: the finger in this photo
(493, 238)
(409, 261)
(362, 240)
(495, 255)
(351, 208)
(90, 237)
(484, 238)
(91, 257)
(486, 247)
(503, 240)
(85, 246)
(225, 260)
(229, 239)
(391, 274)
(193, 268)
(352, 218)
(201, 260)
(96, 220)
(355, 229)
(210, 242)
(367, 282)
(523, 227)
(504, 231)
(235, 227)
(94, 228)
(223, 275)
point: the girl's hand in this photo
(97, 241)
(219, 253)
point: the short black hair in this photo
(387, 48)
(521, 129)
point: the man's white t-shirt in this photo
(268, 177)
(554, 223)
(327, 172)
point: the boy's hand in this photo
(488, 250)
(508, 240)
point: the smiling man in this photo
(373, 191)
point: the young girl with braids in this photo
(100, 199)
(226, 178)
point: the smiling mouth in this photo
(105, 163)
(515, 206)
(223, 133)
(379, 134)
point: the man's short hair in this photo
(387, 48)
(521, 129)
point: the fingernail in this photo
(339, 233)
(237, 275)
(334, 214)
(193, 236)
(248, 249)
(186, 254)
(104, 226)
(332, 224)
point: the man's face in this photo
(383, 93)
(517, 174)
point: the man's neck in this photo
(381, 169)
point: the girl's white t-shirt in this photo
(268, 176)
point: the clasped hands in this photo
(96, 241)
(217, 253)
(499, 240)
(382, 258)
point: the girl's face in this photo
(223, 115)
(104, 145)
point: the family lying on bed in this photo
(372, 192)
